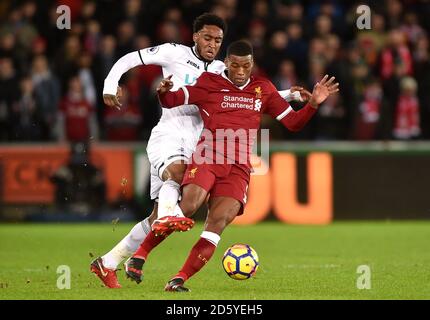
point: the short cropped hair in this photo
(240, 48)
(209, 19)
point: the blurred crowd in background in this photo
(51, 80)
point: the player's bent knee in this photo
(175, 171)
(178, 176)
(193, 197)
(189, 208)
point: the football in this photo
(240, 261)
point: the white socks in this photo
(127, 246)
(167, 206)
(212, 237)
(168, 199)
(177, 212)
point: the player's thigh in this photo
(222, 211)
(193, 196)
(197, 183)
(175, 171)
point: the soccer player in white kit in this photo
(175, 137)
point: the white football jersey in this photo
(183, 63)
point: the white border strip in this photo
(187, 94)
(283, 114)
(212, 237)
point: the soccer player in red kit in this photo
(231, 102)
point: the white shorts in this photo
(164, 148)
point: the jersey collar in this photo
(206, 63)
(224, 75)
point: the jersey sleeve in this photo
(159, 55)
(277, 106)
(125, 63)
(196, 94)
(279, 109)
(219, 67)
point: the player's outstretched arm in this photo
(161, 55)
(112, 100)
(295, 121)
(111, 91)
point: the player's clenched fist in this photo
(165, 85)
(113, 100)
(305, 95)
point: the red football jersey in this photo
(232, 115)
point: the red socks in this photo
(150, 242)
(199, 256)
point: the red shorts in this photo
(220, 180)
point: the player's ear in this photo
(195, 37)
(226, 62)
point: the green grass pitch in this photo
(296, 262)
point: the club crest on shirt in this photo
(152, 50)
(192, 173)
(258, 92)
